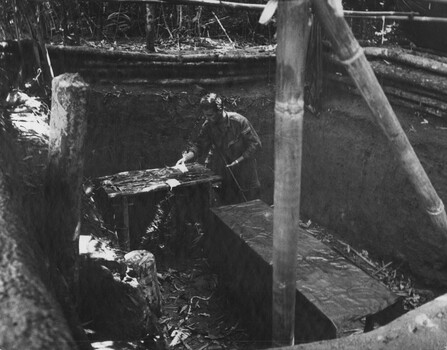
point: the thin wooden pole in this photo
(293, 33)
(222, 27)
(150, 28)
(352, 56)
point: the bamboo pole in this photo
(402, 18)
(217, 3)
(351, 55)
(349, 13)
(293, 33)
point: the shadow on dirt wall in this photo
(351, 182)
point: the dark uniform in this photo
(228, 141)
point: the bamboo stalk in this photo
(293, 33)
(351, 54)
(410, 18)
(349, 13)
(217, 3)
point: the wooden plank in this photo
(339, 292)
(129, 183)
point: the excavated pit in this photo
(351, 184)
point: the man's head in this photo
(211, 106)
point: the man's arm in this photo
(252, 141)
(196, 149)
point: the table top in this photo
(129, 183)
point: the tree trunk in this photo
(30, 317)
(143, 263)
(68, 126)
(293, 33)
(63, 191)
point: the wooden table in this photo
(123, 187)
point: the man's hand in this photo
(180, 162)
(186, 157)
(236, 162)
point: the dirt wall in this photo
(351, 181)
(353, 184)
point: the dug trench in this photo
(351, 185)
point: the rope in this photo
(437, 211)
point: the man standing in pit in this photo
(232, 142)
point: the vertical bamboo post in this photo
(330, 13)
(293, 32)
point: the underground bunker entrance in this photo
(197, 313)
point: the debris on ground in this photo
(196, 314)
